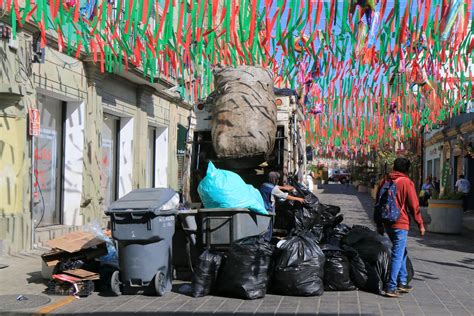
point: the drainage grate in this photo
(21, 301)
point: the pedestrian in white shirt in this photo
(463, 186)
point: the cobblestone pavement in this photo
(443, 283)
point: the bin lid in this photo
(160, 201)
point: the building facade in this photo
(449, 153)
(73, 139)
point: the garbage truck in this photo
(287, 155)
(251, 128)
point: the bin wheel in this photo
(160, 283)
(115, 283)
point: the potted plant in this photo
(317, 173)
(445, 212)
(363, 187)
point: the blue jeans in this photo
(398, 265)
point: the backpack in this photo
(386, 209)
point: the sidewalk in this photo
(443, 283)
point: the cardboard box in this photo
(74, 246)
(75, 241)
(83, 274)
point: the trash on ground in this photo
(246, 270)
(299, 267)
(205, 273)
(74, 259)
(337, 272)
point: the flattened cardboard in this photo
(51, 258)
(82, 274)
(66, 278)
(75, 241)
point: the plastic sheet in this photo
(226, 189)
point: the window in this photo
(48, 168)
(151, 158)
(436, 167)
(109, 169)
(181, 152)
(429, 168)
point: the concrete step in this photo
(43, 234)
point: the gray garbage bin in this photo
(143, 223)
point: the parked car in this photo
(339, 175)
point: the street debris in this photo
(205, 273)
(317, 253)
(299, 267)
(75, 258)
(246, 270)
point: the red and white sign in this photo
(34, 116)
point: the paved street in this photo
(443, 284)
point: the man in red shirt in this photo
(407, 201)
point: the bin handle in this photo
(119, 216)
(137, 215)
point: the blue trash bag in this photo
(226, 189)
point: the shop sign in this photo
(34, 118)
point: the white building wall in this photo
(73, 163)
(125, 153)
(161, 164)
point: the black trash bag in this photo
(317, 231)
(367, 242)
(334, 235)
(305, 218)
(310, 199)
(299, 267)
(359, 232)
(378, 273)
(337, 272)
(410, 270)
(247, 268)
(375, 251)
(358, 271)
(284, 217)
(329, 221)
(331, 209)
(205, 273)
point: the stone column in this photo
(144, 108)
(91, 203)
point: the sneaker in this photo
(391, 293)
(404, 288)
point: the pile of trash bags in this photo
(319, 253)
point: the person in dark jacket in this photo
(271, 191)
(407, 202)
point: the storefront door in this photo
(470, 177)
(48, 164)
(151, 158)
(108, 176)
